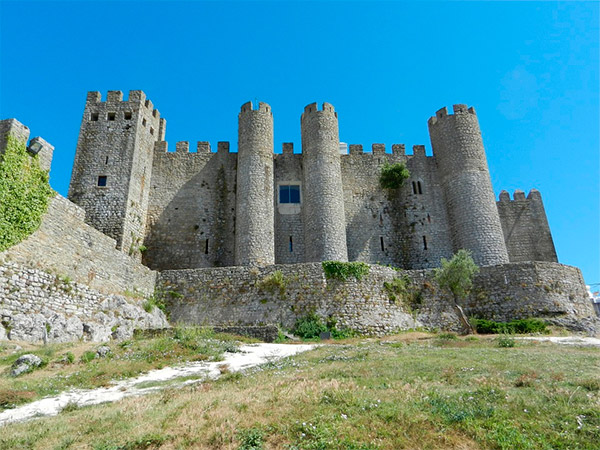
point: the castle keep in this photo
(236, 239)
(188, 209)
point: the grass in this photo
(77, 366)
(412, 390)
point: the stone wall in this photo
(191, 214)
(38, 306)
(525, 226)
(64, 244)
(249, 296)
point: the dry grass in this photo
(406, 391)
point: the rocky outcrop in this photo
(36, 306)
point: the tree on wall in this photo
(24, 194)
(456, 277)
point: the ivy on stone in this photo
(24, 194)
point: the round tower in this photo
(465, 180)
(324, 219)
(254, 236)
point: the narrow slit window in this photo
(428, 218)
(112, 116)
(94, 117)
(291, 245)
(206, 247)
(414, 185)
(382, 244)
(102, 180)
(143, 122)
(151, 130)
(127, 115)
(106, 160)
(419, 187)
(424, 242)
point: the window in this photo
(382, 243)
(424, 242)
(417, 188)
(94, 117)
(127, 115)
(291, 245)
(144, 122)
(289, 193)
(206, 247)
(112, 116)
(151, 130)
(102, 180)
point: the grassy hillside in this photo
(414, 391)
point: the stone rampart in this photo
(38, 306)
(252, 296)
(65, 245)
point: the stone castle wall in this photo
(525, 226)
(37, 306)
(65, 245)
(191, 214)
(248, 296)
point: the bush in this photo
(520, 326)
(393, 175)
(24, 194)
(251, 439)
(344, 270)
(88, 356)
(309, 326)
(505, 342)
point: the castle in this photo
(215, 209)
(238, 239)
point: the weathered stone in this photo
(24, 364)
(103, 352)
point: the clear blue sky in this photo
(530, 70)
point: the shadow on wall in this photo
(192, 215)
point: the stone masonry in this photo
(216, 209)
(209, 230)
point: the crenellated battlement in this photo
(313, 108)
(519, 196)
(380, 150)
(457, 109)
(262, 107)
(115, 99)
(183, 147)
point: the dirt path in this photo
(567, 340)
(248, 356)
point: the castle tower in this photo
(323, 210)
(465, 179)
(113, 165)
(255, 229)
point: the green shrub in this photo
(392, 176)
(251, 439)
(344, 270)
(24, 194)
(309, 326)
(505, 341)
(519, 326)
(88, 356)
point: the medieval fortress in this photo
(208, 228)
(192, 209)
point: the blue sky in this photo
(529, 69)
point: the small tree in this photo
(456, 277)
(393, 175)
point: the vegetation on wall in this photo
(24, 194)
(393, 175)
(344, 270)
